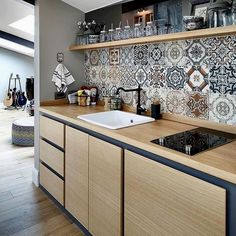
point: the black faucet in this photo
(139, 108)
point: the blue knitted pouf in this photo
(23, 132)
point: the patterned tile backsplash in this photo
(194, 78)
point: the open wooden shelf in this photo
(203, 33)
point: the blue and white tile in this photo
(175, 54)
(141, 54)
(156, 54)
(157, 76)
(114, 56)
(223, 108)
(104, 57)
(127, 55)
(175, 78)
(223, 79)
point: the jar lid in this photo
(111, 30)
(149, 23)
(138, 24)
(127, 27)
(118, 28)
(102, 31)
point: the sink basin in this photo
(115, 119)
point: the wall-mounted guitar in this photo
(15, 98)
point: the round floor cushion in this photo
(23, 132)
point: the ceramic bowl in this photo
(193, 22)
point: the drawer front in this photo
(52, 130)
(52, 183)
(52, 157)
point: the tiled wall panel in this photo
(194, 78)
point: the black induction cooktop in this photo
(196, 140)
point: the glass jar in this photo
(111, 35)
(233, 14)
(127, 32)
(149, 29)
(115, 103)
(138, 31)
(103, 36)
(118, 34)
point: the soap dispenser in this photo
(156, 109)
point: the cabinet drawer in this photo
(52, 183)
(52, 157)
(52, 130)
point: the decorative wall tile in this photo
(141, 77)
(103, 74)
(221, 50)
(157, 54)
(104, 56)
(176, 102)
(223, 108)
(114, 56)
(197, 105)
(194, 78)
(175, 77)
(127, 55)
(196, 52)
(197, 79)
(175, 54)
(157, 77)
(141, 54)
(94, 57)
(127, 76)
(114, 75)
(223, 79)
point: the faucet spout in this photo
(139, 89)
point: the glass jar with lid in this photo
(118, 34)
(138, 30)
(127, 34)
(233, 13)
(103, 36)
(111, 34)
(149, 29)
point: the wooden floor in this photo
(25, 209)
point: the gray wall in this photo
(57, 31)
(108, 15)
(16, 63)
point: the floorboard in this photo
(24, 209)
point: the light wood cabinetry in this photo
(76, 174)
(52, 157)
(160, 200)
(52, 183)
(52, 130)
(105, 188)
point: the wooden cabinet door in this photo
(160, 200)
(76, 174)
(105, 188)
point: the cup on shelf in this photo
(118, 34)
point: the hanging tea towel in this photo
(62, 78)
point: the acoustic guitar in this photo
(8, 101)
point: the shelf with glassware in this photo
(201, 33)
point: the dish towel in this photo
(62, 78)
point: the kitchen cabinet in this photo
(160, 200)
(76, 174)
(52, 183)
(52, 157)
(105, 188)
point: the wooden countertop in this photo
(219, 162)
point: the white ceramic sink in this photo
(115, 119)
